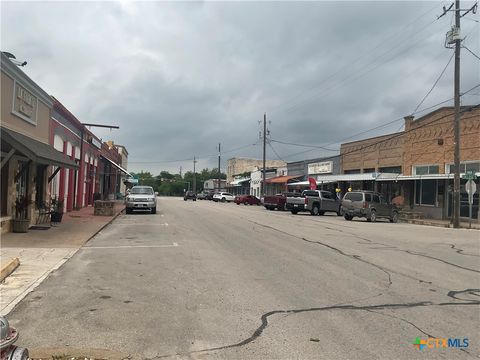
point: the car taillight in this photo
(306, 201)
(365, 205)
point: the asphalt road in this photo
(208, 280)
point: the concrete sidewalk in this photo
(43, 251)
(442, 223)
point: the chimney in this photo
(408, 122)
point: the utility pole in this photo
(456, 177)
(454, 37)
(219, 174)
(194, 176)
(180, 171)
(262, 188)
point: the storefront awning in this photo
(117, 166)
(280, 179)
(328, 179)
(237, 182)
(35, 150)
(424, 177)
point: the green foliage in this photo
(168, 184)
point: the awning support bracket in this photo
(54, 173)
(7, 157)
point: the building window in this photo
(391, 169)
(369, 170)
(354, 171)
(464, 167)
(426, 192)
(425, 169)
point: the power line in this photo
(324, 147)
(395, 135)
(274, 151)
(303, 145)
(435, 84)
(369, 52)
(471, 52)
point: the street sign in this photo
(471, 189)
(469, 175)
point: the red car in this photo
(246, 200)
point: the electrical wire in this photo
(435, 83)
(275, 152)
(369, 52)
(471, 52)
(303, 145)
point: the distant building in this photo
(239, 166)
(122, 150)
(212, 184)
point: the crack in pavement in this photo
(461, 251)
(369, 308)
(404, 320)
(387, 246)
(355, 257)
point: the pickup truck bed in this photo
(317, 202)
(278, 201)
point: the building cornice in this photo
(13, 71)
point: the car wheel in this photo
(154, 210)
(245, 203)
(128, 210)
(321, 213)
(315, 210)
(348, 217)
(294, 212)
(184, 199)
(223, 199)
(373, 216)
(394, 217)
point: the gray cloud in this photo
(180, 77)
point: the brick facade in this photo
(429, 139)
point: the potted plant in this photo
(57, 210)
(20, 221)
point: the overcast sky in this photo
(178, 77)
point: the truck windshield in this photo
(143, 191)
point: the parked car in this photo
(141, 198)
(209, 195)
(368, 204)
(201, 196)
(246, 200)
(278, 201)
(223, 196)
(317, 202)
(190, 195)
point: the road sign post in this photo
(471, 189)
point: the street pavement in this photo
(43, 251)
(205, 280)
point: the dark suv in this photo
(190, 195)
(367, 204)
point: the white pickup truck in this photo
(316, 202)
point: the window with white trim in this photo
(426, 169)
(464, 167)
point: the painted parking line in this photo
(132, 246)
(143, 224)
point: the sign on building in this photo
(324, 167)
(24, 104)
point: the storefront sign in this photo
(25, 104)
(320, 167)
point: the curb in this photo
(9, 268)
(103, 227)
(37, 282)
